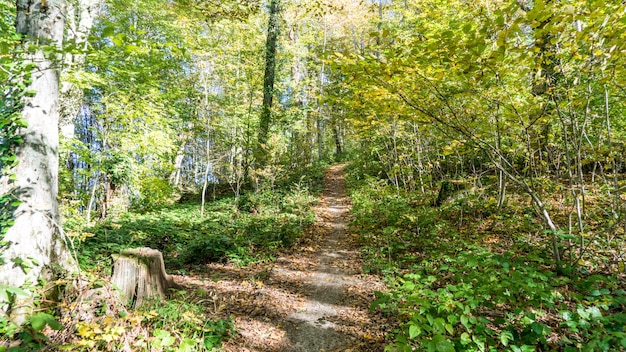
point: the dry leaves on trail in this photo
(313, 298)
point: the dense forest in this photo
(482, 144)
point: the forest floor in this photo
(314, 297)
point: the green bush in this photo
(480, 301)
(208, 249)
(455, 292)
(181, 323)
(154, 192)
(184, 236)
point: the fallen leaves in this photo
(324, 270)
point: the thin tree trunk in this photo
(174, 178)
(208, 166)
(338, 150)
(320, 136)
(572, 186)
(615, 198)
(91, 200)
(418, 151)
(501, 178)
(206, 183)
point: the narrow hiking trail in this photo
(312, 298)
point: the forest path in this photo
(313, 298)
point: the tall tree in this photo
(35, 248)
(273, 31)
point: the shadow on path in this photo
(312, 299)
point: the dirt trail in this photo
(312, 299)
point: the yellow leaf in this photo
(118, 330)
(135, 319)
(87, 330)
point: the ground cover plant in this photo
(249, 228)
(467, 277)
(245, 230)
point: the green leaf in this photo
(39, 321)
(537, 328)
(17, 291)
(187, 345)
(118, 40)
(478, 342)
(164, 338)
(465, 321)
(439, 326)
(108, 31)
(505, 337)
(211, 341)
(414, 331)
(465, 339)
(442, 344)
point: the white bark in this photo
(175, 176)
(36, 248)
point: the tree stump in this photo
(139, 273)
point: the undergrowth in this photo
(465, 277)
(249, 229)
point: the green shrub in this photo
(453, 291)
(181, 323)
(154, 192)
(212, 248)
(186, 237)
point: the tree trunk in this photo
(36, 248)
(501, 177)
(273, 31)
(139, 273)
(338, 149)
(174, 178)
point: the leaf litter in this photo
(315, 297)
